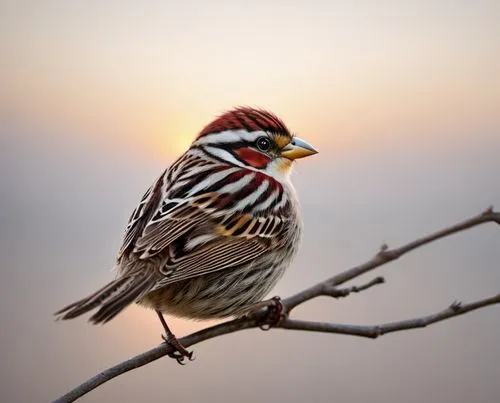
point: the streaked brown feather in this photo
(228, 248)
(222, 254)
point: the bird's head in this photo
(254, 139)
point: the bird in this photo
(215, 232)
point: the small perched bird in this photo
(216, 230)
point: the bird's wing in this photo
(190, 240)
(141, 215)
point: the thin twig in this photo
(327, 287)
(386, 255)
(375, 331)
(335, 292)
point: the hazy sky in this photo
(400, 98)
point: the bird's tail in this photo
(111, 299)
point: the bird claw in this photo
(180, 352)
(275, 314)
(180, 358)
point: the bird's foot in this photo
(180, 352)
(276, 313)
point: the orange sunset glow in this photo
(400, 98)
(155, 75)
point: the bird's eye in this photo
(263, 144)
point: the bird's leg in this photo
(179, 350)
(276, 312)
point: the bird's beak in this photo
(297, 148)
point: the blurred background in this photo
(402, 100)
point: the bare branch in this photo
(154, 354)
(386, 255)
(247, 323)
(328, 288)
(375, 331)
